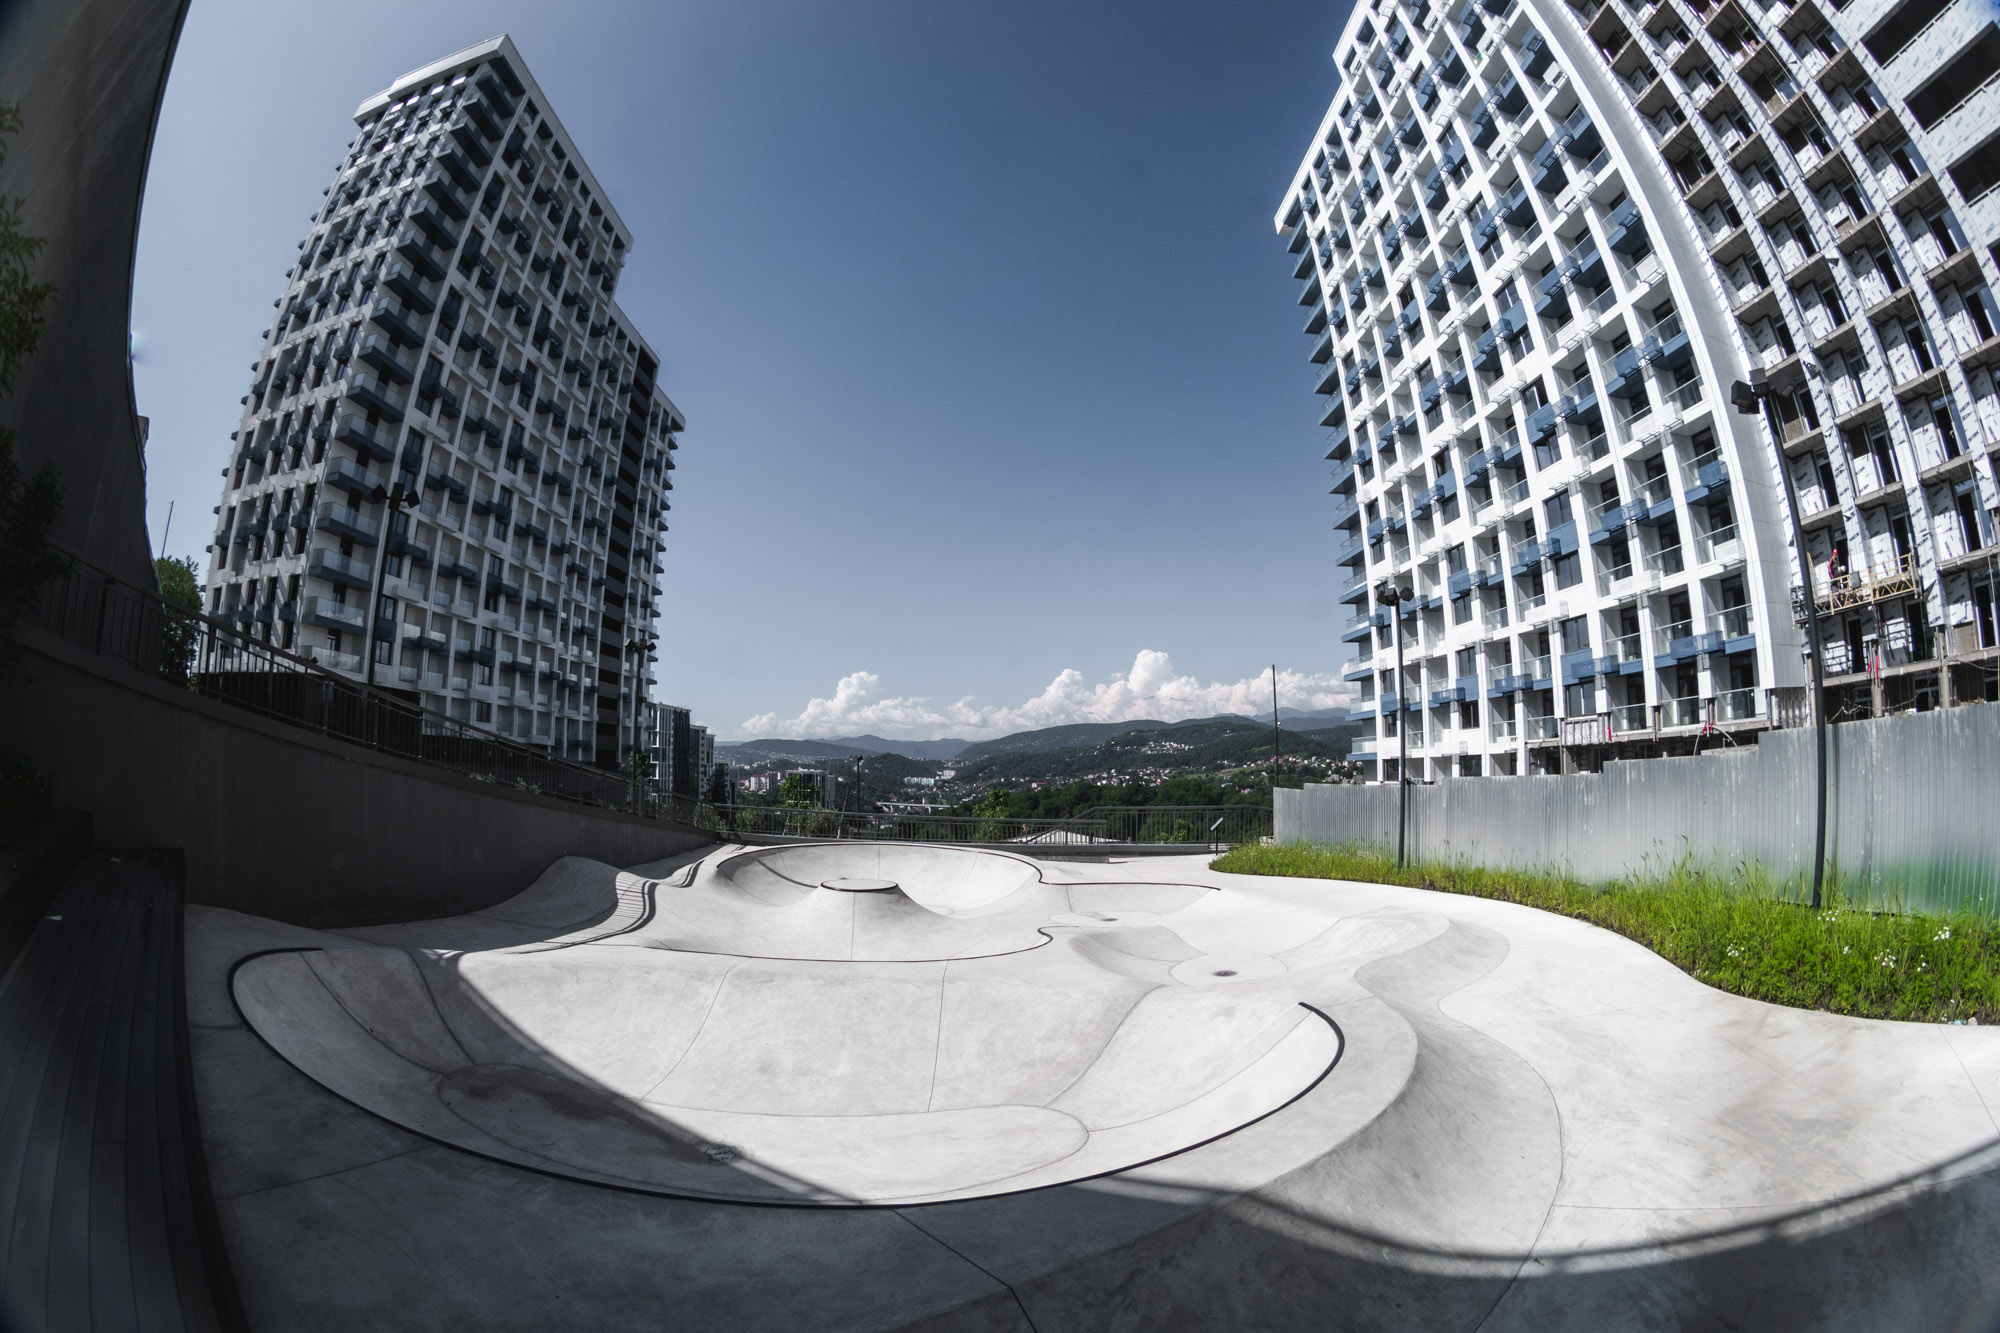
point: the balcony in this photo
(1704, 478)
(355, 431)
(339, 519)
(1626, 231)
(1730, 630)
(380, 353)
(421, 257)
(1628, 719)
(375, 396)
(326, 612)
(395, 321)
(1687, 712)
(402, 278)
(333, 566)
(1539, 729)
(1733, 706)
(333, 661)
(1579, 137)
(347, 475)
(1719, 545)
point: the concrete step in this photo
(105, 1216)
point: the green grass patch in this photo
(1742, 934)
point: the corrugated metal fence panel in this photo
(1913, 804)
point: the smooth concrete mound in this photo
(816, 1025)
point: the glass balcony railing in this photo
(1681, 712)
(1665, 635)
(1538, 668)
(1736, 706)
(1496, 618)
(1628, 718)
(1517, 493)
(1503, 729)
(327, 657)
(1664, 564)
(1720, 544)
(1539, 728)
(1609, 579)
(326, 611)
(1732, 622)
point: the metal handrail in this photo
(1111, 825)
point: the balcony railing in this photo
(1628, 718)
(1681, 712)
(1731, 622)
(1738, 706)
(1719, 544)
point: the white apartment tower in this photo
(1539, 245)
(450, 478)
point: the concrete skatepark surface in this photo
(1530, 1123)
(861, 1043)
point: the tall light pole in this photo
(1274, 740)
(394, 500)
(1389, 595)
(1746, 398)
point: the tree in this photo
(797, 791)
(639, 765)
(180, 589)
(28, 505)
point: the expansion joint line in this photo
(1019, 1304)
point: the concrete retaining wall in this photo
(1913, 820)
(88, 77)
(280, 822)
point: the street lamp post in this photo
(1389, 595)
(1747, 397)
(394, 499)
(638, 648)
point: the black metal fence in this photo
(219, 661)
(1224, 825)
(1192, 825)
(782, 821)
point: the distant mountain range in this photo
(776, 750)
(1040, 741)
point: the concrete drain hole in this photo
(721, 1153)
(1225, 972)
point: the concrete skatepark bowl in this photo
(857, 1025)
(986, 1092)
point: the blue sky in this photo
(998, 407)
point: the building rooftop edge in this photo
(501, 46)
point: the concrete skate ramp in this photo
(785, 1081)
(815, 1025)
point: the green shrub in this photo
(24, 799)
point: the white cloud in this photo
(1151, 689)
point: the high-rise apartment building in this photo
(450, 478)
(1538, 245)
